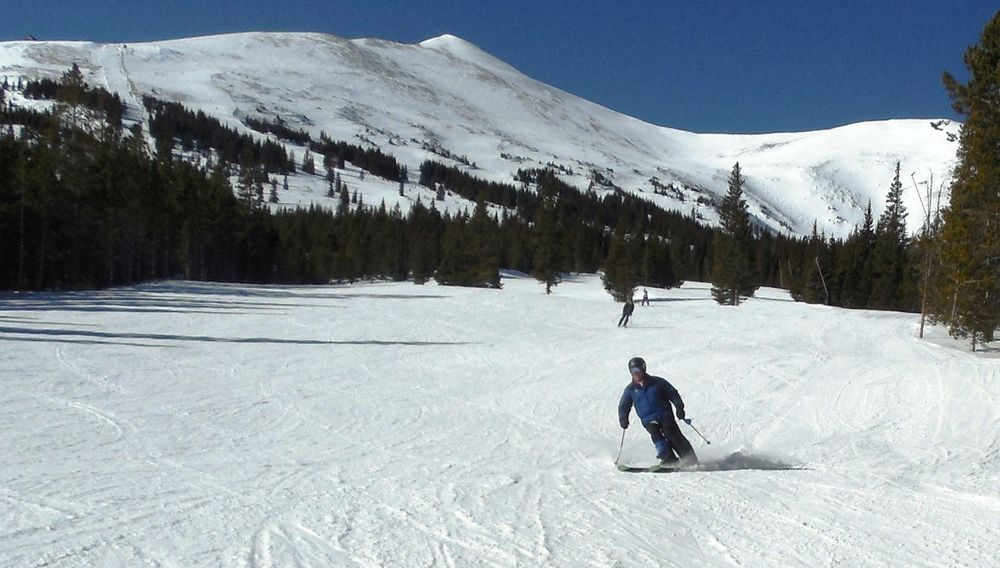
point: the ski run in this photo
(184, 424)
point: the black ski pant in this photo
(666, 429)
(623, 322)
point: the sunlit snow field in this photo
(197, 424)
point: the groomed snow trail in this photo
(199, 424)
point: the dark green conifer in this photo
(273, 198)
(72, 89)
(733, 277)
(547, 257)
(308, 163)
(621, 275)
(892, 282)
(970, 238)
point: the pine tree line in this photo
(171, 123)
(73, 90)
(371, 160)
(87, 212)
(97, 211)
(279, 129)
(950, 271)
(875, 267)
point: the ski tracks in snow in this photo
(484, 434)
(290, 543)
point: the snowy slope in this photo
(445, 95)
(197, 424)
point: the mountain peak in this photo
(460, 48)
(447, 41)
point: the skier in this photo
(645, 298)
(652, 397)
(627, 310)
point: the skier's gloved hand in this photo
(624, 425)
(680, 414)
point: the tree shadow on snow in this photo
(665, 300)
(316, 292)
(132, 303)
(182, 297)
(61, 333)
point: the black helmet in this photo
(636, 363)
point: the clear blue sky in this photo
(705, 66)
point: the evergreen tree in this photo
(892, 282)
(807, 283)
(308, 163)
(733, 277)
(658, 264)
(72, 90)
(273, 198)
(620, 274)
(245, 190)
(856, 264)
(482, 235)
(970, 238)
(258, 190)
(424, 234)
(344, 204)
(453, 269)
(546, 257)
(469, 255)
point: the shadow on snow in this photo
(741, 461)
(59, 333)
(188, 297)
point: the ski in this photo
(655, 468)
(735, 462)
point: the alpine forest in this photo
(90, 198)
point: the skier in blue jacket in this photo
(652, 396)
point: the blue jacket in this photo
(652, 401)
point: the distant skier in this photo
(645, 298)
(652, 396)
(627, 310)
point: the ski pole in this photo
(688, 420)
(620, 446)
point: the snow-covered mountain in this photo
(446, 97)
